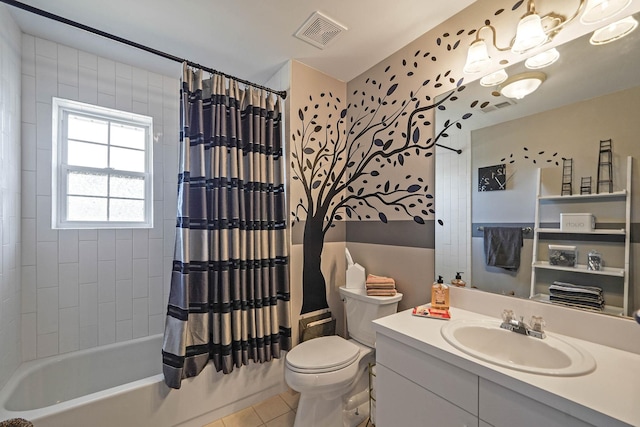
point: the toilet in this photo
(331, 373)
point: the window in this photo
(102, 167)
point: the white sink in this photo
(485, 340)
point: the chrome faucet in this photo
(510, 323)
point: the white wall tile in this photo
(47, 310)
(46, 48)
(28, 107)
(87, 60)
(124, 330)
(88, 85)
(106, 245)
(43, 174)
(88, 336)
(29, 337)
(106, 76)
(140, 278)
(29, 198)
(44, 232)
(88, 304)
(68, 285)
(106, 281)
(47, 345)
(67, 66)
(156, 296)
(124, 300)
(69, 334)
(106, 323)
(46, 79)
(47, 267)
(88, 261)
(140, 317)
(124, 259)
(28, 241)
(28, 297)
(68, 246)
(109, 285)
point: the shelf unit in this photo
(616, 272)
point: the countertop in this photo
(609, 395)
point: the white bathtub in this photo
(122, 384)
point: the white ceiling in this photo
(249, 39)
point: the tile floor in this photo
(278, 411)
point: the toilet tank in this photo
(362, 309)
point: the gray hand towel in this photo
(502, 246)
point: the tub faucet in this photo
(510, 323)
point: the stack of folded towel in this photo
(590, 297)
(380, 286)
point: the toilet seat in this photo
(323, 354)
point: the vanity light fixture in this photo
(600, 10)
(613, 31)
(533, 31)
(494, 78)
(521, 85)
(543, 59)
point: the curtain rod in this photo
(66, 21)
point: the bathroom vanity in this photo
(422, 379)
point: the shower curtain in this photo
(229, 296)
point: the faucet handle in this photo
(507, 315)
(537, 323)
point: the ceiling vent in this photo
(320, 30)
(498, 106)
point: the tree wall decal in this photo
(340, 163)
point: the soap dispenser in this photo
(440, 295)
(458, 280)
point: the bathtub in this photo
(122, 384)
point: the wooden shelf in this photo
(580, 268)
(608, 309)
(621, 193)
(597, 231)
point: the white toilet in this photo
(330, 373)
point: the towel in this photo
(380, 286)
(502, 247)
(590, 297)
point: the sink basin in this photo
(485, 340)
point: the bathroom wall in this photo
(84, 288)
(9, 195)
(313, 92)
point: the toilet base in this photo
(329, 410)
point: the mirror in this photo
(591, 93)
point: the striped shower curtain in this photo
(229, 297)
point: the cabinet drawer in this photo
(401, 402)
(502, 407)
(447, 381)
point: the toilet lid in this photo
(322, 354)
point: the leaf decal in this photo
(392, 89)
(378, 142)
(413, 188)
(375, 173)
(301, 114)
(416, 135)
(317, 128)
(382, 217)
(309, 150)
(315, 184)
(418, 219)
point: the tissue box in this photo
(563, 255)
(577, 222)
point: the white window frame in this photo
(61, 110)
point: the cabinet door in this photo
(501, 407)
(400, 402)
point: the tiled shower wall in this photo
(9, 195)
(84, 288)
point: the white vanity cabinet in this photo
(422, 380)
(500, 406)
(414, 388)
